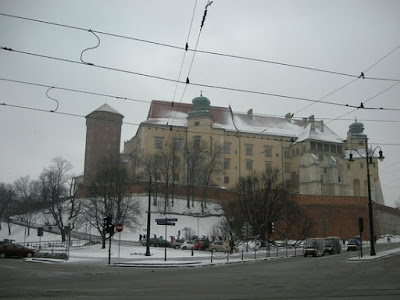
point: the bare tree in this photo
(58, 192)
(293, 223)
(109, 196)
(6, 204)
(193, 155)
(152, 163)
(210, 167)
(27, 192)
(260, 200)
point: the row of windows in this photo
(249, 165)
(249, 150)
(159, 142)
(326, 147)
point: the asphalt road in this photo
(328, 277)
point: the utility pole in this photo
(149, 189)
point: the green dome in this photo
(200, 107)
(356, 128)
(201, 102)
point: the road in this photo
(328, 277)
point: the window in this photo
(249, 150)
(326, 147)
(249, 165)
(158, 160)
(226, 148)
(333, 148)
(362, 165)
(197, 123)
(268, 151)
(268, 165)
(226, 179)
(196, 141)
(286, 152)
(348, 166)
(227, 163)
(319, 146)
(158, 142)
(177, 144)
(176, 177)
(339, 149)
(287, 168)
(313, 146)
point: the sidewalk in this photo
(379, 255)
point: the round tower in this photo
(103, 139)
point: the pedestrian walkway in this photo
(379, 255)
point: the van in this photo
(314, 247)
(332, 245)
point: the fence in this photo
(254, 254)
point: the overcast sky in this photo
(346, 37)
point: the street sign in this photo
(167, 220)
(165, 223)
(119, 227)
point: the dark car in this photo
(156, 242)
(15, 250)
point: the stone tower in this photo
(103, 138)
(357, 169)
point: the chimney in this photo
(305, 122)
(288, 117)
(311, 119)
(250, 113)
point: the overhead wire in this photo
(174, 80)
(183, 59)
(198, 50)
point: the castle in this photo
(327, 173)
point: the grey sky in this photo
(342, 36)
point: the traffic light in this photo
(361, 224)
(271, 227)
(108, 225)
(40, 231)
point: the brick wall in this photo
(331, 215)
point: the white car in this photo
(188, 245)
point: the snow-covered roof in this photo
(168, 113)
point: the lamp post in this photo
(148, 221)
(368, 157)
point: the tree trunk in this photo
(63, 234)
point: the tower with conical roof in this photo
(103, 138)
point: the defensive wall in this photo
(330, 215)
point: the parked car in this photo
(220, 246)
(354, 244)
(15, 250)
(177, 243)
(202, 245)
(314, 247)
(156, 242)
(188, 245)
(332, 245)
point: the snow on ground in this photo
(126, 252)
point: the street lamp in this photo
(148, 221)
(368, 157)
